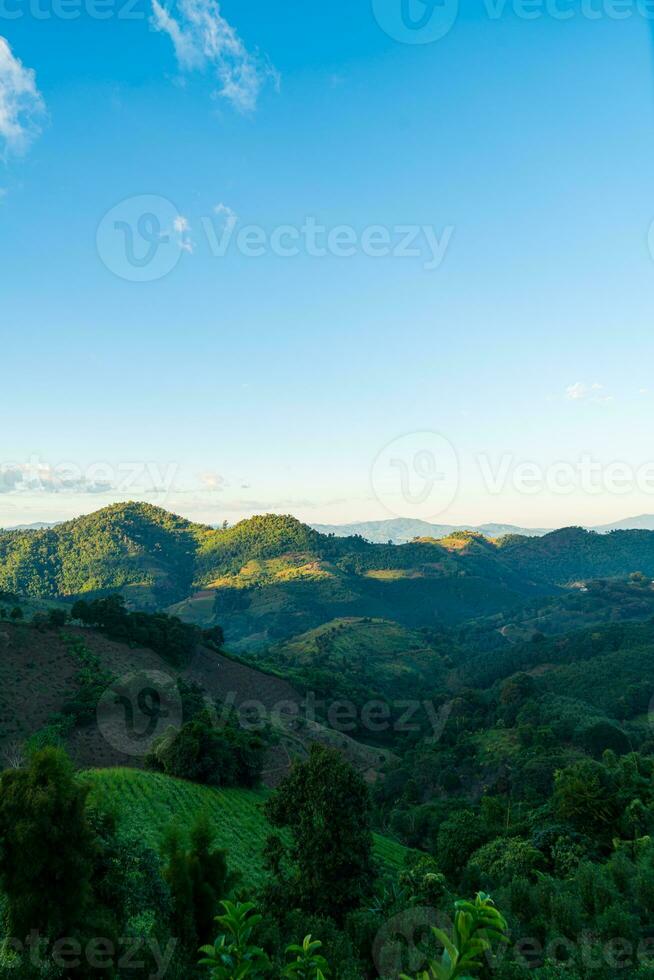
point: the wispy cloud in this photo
(212, 481)
(204, 40)
(224, 211)
(21, 103)
(182, 229)
(581, 391)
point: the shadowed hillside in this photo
(40, 677)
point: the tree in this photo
(167, 635)
(46, 846)
(325, 804)
(204, 753)
(234, 955)
(16, 613)
(458, 837)
(585, 795)
(57, 618)
(198, 878)
(506, 858)
(214, 636)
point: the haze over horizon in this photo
(218, 516)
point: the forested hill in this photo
(158, 559)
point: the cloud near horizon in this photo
(203, 40)
(42, 478)
(21, 103)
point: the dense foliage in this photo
(213, 754)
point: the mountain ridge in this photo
(401, 530)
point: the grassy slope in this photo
(377, 652)
(150, 802)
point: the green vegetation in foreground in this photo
(149, 802)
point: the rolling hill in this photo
(372, 655)
(271, 578)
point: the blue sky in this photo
(235, 384)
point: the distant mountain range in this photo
(38, 526)
(643, 523)
(402, 530)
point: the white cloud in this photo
(203, 40)
(224, 210)
(21, 102)
(212, 481)
(181, 224)
(182, 229)
(581, 390)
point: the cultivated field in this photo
(150, 802)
